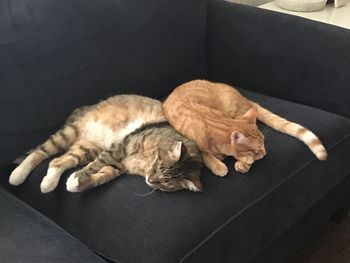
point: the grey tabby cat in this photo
(123, 134)
(169, 161)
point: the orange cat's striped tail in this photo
(293, 129)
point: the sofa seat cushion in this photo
(233, 219)
(27, 236)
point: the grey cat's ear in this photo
(175, 150)
(194, 184)
(237, 137)
(251, 115)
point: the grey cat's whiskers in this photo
(146, 194)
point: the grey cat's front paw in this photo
(72, 183)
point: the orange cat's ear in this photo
(175, 150)
(237, 137)
(251, 115)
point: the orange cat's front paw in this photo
(242, 167)
(220, 169)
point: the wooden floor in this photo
(332, 245)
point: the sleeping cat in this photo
(169, 161)
(223, 123)
(117, 135)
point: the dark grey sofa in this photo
(27, 236)
(58, 55)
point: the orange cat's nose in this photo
(258, 157)
(260, 153)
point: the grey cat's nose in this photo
(151, 180)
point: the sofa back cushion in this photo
(280, 55)
(58, 55)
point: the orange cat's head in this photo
(246, 141)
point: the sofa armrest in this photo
(280, 55)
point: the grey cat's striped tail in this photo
(57, 142)
(60, 141)
(293, 129)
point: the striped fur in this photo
(293, 129)
(223, 123)
(150, 152)
(88, 137)
(58, 142)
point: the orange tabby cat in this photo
(223, 123)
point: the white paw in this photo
(19, 175)
(49, 183)
(73, 183)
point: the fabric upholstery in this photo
(304, 231)
(27, 236)
(58, 55)
(280, 55)
(231, 221)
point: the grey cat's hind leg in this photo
(60, 141)
(79, 153)
(81, 181)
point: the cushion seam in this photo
(253, 203)
(103, 255)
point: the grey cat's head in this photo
(175, 169)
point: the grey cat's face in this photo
(176, 170)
